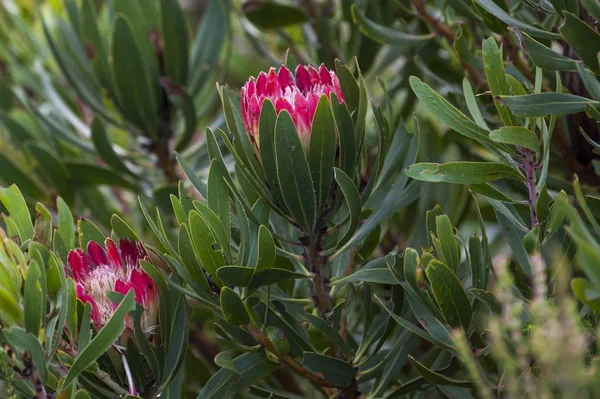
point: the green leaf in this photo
(217, 222)
(494, 9)
(179, 97)
(449, 295)
(218, 203)
(436, 378)
(375, 271)
(233, 308)
(240, 276)
(52, 169)
(204, 243)
(413, 328)
(590, 81)
(27, 342)
(353, 202)
(496, 77)
(11, 311)
(593, 8)
(66, 223)
(274, 13)
(330, 333)
(11, 174)
(472, 104)
(322, 149)
(266, 137)
(479, 266)
(88, 231)
(178, 340)
(463, 172)
(176, 40)
(346, 135)
(206, 45)
(121, 228)
(105, 338)
(293, 173)
(579, 196)
(265, 261)
(16, 206)
(586, 293)
(105, 148)
(87, 174)
(584, 40)
(386, 35)
(133, 81)
(488, 299)
(35, 302)
(449, 114)
(542, 104)
(335, 371)
(218, 385)
(447, 249)
(198, 184)
(546, 58)
(90, 35)
(514, 235)
(516, 135)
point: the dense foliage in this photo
(311, 199)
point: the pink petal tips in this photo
(98, 270)
(297, 93)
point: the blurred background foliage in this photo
(102, 102)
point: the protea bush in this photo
(392, 199)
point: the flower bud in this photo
(297, 93)
(99, 270)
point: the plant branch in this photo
(108, 381)
(443, 30)
(286, 359)
(316, 265)
(38, 385)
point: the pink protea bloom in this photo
(297, 93)
(99, 270)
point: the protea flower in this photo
(298, 94)
(99, 270)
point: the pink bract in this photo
(99, 270)
(296, 93)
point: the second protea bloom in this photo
(99, 270)
(296, 93)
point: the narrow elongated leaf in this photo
(105, 338)
(336, 371)
(449, 295)
(293, 172)
(496, 77)
(133, 82)
(13, 201)
(383, 34)
(542, 104)
(497, 11)
(176, 40)
(105, 148)
(584, 40)
(546, 58)
(436, 378)
(516, 135)
(66, 223)
(240, 276)
(353, 202)
(322, 151)
(233, 308)
(463, 172)
(330, 333)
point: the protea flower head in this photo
(297, 93)
(99, 270)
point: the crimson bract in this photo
(99, 270)
(297, 93)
